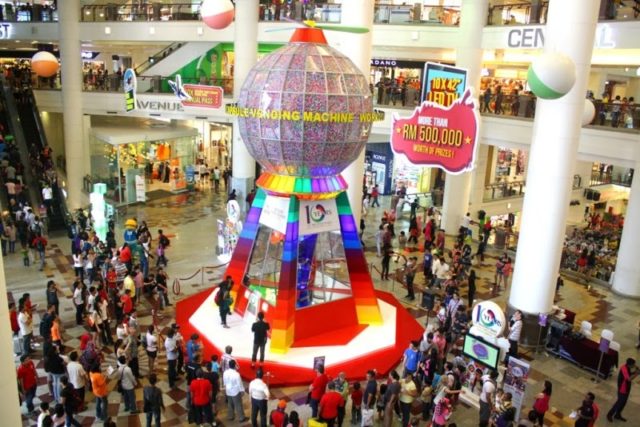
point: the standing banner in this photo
(443, 84)
(515, 382)
(130, 85)
(274, 213)
(141, 189)
(317, 216)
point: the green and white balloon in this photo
(551, 75)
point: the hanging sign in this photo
(437, 136)
(130, 86)
(275, 212)
(317, 216)
(443, 84)
(203, 96)
(489, 318)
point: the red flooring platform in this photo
(370, 350)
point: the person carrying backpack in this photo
(163, 244)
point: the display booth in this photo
(138, 164)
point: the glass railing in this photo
(619, 116)
(535, 12)
(604, 177)
(503, 190)
(112, 82)
(179, 11)
(27, 12)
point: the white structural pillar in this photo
(71, 71)
(245, 57)
(570, 30)
(457, 188)
(358, 48)
(626, 280)
(9, 404)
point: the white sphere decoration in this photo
(551, 75)
(588, 113)
(217, 14)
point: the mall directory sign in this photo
(438, 136)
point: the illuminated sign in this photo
(443, 83)
(159, 105)
(88, 54)
(534, 37)
(5, 31)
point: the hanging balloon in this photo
(44, 64)
(217, 14)
(588, 113)
(551, 75)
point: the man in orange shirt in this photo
(329, 404)
(100, 391)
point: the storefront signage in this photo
(158, 105)
(89, 54)
(203, 96)
(489, 318)
(526, 37)
(317, 216)
(534, 37)
(305, 116)
(438, 136)
(396, 63)
(275, 212)
(130, 86)
(443, 83)
(5, 31)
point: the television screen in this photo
(481, 351)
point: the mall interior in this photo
(557, 191)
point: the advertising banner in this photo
(437, 136)
(443, 84)
(203, 96)
(515, 382)
(274, 213)
(141, 189)
(130, 85)
(317, 216)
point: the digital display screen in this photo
(481, 351)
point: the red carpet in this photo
(407, 329)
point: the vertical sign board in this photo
(515, 382)
(130, 85)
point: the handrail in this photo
(154, 59)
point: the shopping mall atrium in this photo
(170, 133)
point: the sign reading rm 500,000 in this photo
(439, 136)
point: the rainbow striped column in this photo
(362, 288)
(238, 264)
(283, 321)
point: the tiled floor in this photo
(189, 220)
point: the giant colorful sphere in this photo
(551, 75)
(217, 14)
(44, 64)
(305, 109)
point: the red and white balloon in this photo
(217, 14)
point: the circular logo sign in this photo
(489, 318)
(317, 213)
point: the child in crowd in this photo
(402, 241)
(356, 404)
(379, 403)
(215, 366)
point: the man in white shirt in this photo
(487, 396)
(77, 375)
(465, 223)
(259, 393)
(171, 348)
(515, 330)
(439, 269)
(128, 382)
(25, 322)
(47, 198)
(234, 391)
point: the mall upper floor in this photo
(425, 12)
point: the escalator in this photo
(30, 138)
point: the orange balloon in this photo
(44, 64)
